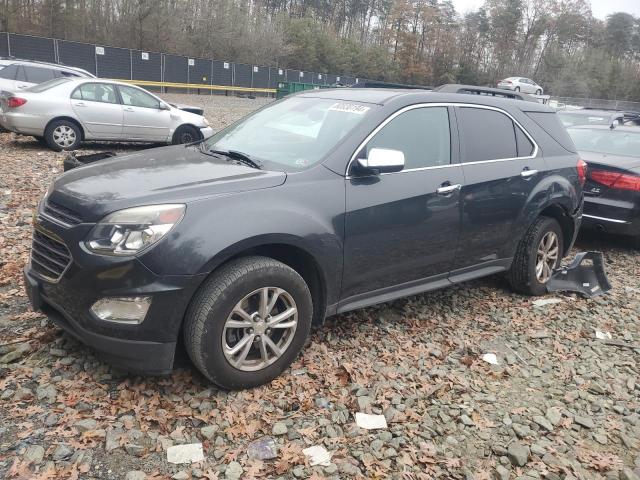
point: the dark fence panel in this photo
(347, 80)
(242, 75)
(261, 77)
(32, 48)
(293, 76)
(175, 68)
(114, 63)
(222, 75)
(276, 75)
(146, 66)
(4, 44)
(82, 55)
(200, 71)
(331, 79)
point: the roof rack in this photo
(488, 91)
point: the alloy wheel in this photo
(547, 256)
(64, 136)
(260, 328)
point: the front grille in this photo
(49, 257)
(62, 214)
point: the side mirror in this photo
(382, 160)
(164, 106)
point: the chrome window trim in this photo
(604, 219)
(444, 104)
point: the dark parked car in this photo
(612, 191)
(324, 202)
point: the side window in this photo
(486, 135)
(9, 72)
(137, 98)
(95, 92)
(422, 134)
(37, 74)
(21, 77)
(525, 147)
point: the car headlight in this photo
(129, 231)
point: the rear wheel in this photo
(537, 255)
(517, 89)
(538, 92)
(186, 134)
(63, 135)
(248, 322)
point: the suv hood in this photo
(176, 174)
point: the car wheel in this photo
(63, 135)
(517, 89)
(41, 140)
(248, 322)
(538, 92)
(537, 255)
(186, 134)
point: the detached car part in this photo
(72, 161)
(585, 275)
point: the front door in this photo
(96, 106)
(143, 117)
(501, 167)
(402, 228)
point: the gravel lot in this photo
(560, 403)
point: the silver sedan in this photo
(64, 112)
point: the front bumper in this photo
(619, 217)
(145, 348)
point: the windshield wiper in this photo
(238, 156)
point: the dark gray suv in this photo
(318, 204)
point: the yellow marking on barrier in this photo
(201, 86)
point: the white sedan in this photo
(64, 112)
(521, 84)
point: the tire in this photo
(41, 140)
(186, 134)
(62, 135)
(538, 92)
(517, 89)
(522, 275)
(208, 335)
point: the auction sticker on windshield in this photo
(349, 108)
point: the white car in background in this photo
(64, 112)
(521, 84)
(16, 75)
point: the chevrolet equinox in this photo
(317, 204)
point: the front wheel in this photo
(517, 89)
(63, 135)
(248, 322)
(537, 255)
(186, 134)
(538, 92)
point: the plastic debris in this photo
(490, 358)
(370, 422)
(318, 455)
(188, 453)
(603, 335)
(543, 302)
(264, 448)
(585, 274)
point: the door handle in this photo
(526, 173)
(79, 104)
(128, 109)
(448, 189)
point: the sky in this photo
(600, 8)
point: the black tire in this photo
(186, 134)
(53, 129)
(538, 92)
(517, 89)
(212, 304)
(522, 275)
(42, 141)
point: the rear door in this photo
(501, 165)
(98, 108)
(36, 75)
(8, 77)
(402, 227)
(143, 117)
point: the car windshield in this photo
(47, 85)
(584, 118)
(296, 132)
(611, 142)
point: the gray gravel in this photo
(560, 404)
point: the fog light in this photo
(129, 310)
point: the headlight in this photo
(130, 231)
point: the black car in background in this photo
(612, 190)
(321, 203)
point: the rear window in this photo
(9, 72)
(550, 123)
(47, 85)
(487, 135)
(38, 75)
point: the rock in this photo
(19, 350)
(466, 420)
(349, 469)
(134, 449)
(522, 431)
(86, 425)
(34, 454)
(585, 422)
(112, 440)
(182, 475)
(543, 422)
(22, 394)
(135, 475)
(234, 471)
(554, 416)
(502, 473)
(51, 420)
(264, 448)
(62, 452)
(364, 402)
(628, 474)
(209, 431)
(321, 402)
(279, 428)
(518, 454)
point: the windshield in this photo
(569, 119)
(47, 85)
(611, 142)
(296, 132)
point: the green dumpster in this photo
(286, 88)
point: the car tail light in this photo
(15, 102)
(616, 180)
(582, 171)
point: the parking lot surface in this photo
(563, 400)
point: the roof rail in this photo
(488, 91)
